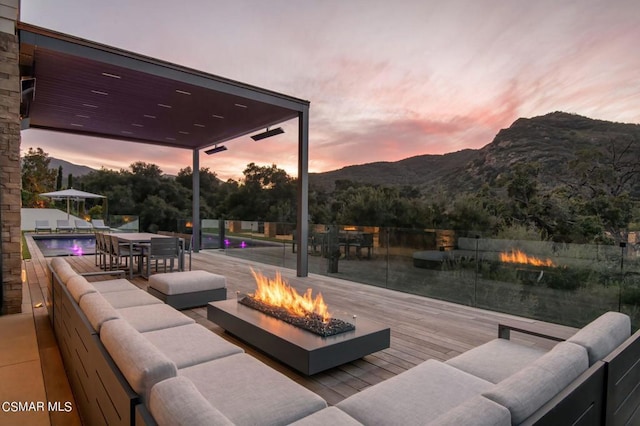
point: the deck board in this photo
(421, 328)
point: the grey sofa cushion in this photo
(477, 411)
(154, 317)
(78, 286)
(526, 391)
(141, 363)
(424, 392)
(177, 402)
(249, 392)
(191, 344)
(603, 335)
(496, 360)
(129, 298)
(119, 284)
(186, 282)
(328, 416)
(97, 310)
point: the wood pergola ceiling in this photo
(86, 88)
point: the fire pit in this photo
(310, 340)
(277, 299)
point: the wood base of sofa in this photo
(192, 299)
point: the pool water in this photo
(52, 246)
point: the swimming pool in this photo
(65, 245)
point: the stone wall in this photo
(10, 181)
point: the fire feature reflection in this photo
(517, 256)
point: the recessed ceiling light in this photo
(182, 92)
(77, 125)
(170, 139)
(90, 105)
(149, 116)
(240, 105)
(198, 125)
(183, 133)
(165, 106)
(82, 116)
(126, 132)
(218, 116)
(99, 92)
(106, 74)
(137, 125)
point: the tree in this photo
(59, 179)
(36, 177)
(605, 182)
(266, 193)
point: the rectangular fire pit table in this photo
(293, 346)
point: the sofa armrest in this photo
(504, 332)
(623, 376)
(583, 400)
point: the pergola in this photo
(78, 86)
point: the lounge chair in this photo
(83, 225)
(63, 225)
(98, 225)
(43, 225)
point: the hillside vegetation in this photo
(553, 141)
(559, 176)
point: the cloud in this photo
(385, 83)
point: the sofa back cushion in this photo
(97, 310)
(603, 335)
(63, 269)
(526, 391)
(141, 363)
(177, 401)
(78, 286)
(58, 262)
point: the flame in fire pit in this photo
(517, 256)
(276, 292)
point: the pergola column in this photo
(195, 221)
(302, 260)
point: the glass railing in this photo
(562, 283)
(124, 223)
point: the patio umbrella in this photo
(70, 194)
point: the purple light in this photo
(226, 242)
(77, 250)
(243, 245)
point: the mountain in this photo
(551, 140)
(75, 169)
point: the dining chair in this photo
(162, 249)
(119, 251)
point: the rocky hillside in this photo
(552, 140)
(75, 169)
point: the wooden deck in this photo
(421, 328)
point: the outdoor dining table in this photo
(142, 238)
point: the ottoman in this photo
(188, 289)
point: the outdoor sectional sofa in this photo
(133, 360)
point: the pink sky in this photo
(386, 80)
